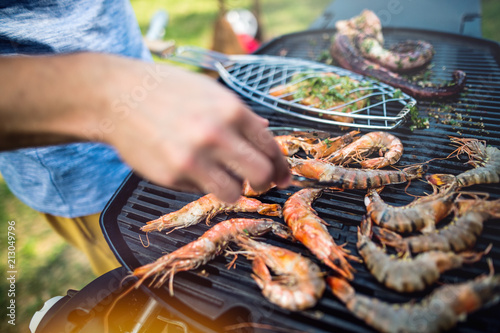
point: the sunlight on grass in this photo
(191, 22)
(46, 266)
(283, 17)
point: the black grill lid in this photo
(217, 296)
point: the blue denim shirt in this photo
(74, 179)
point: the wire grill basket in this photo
(255, 76)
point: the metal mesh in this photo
(382, 106)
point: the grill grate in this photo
(213, 292)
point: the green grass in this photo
(46, 265)
(491, 19)
(191, 22)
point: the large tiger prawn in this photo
(461, 234)
(192, 255)
(389, 147)
(313, 143)
(485, 160)
(439, 311)
(205, 208)
(205, 248)
(299, 282)
(308, 228)
(347, 178)
(420, 215)
(407, 274)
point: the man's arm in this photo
(35, 98)
(176, 128)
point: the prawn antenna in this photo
(147, 238)
(473, 195)
(439, 158)
(407, 186)
(490, 266)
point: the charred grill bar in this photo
(213, 297)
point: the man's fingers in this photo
(211, 177)
(252, 129)
(190, 172)
(243, 159)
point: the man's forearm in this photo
(177, 128)
(45, 100)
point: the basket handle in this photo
(197, 56)
(406, 110)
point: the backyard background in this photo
(46, 265)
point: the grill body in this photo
(217, 296)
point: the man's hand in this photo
(176, 128)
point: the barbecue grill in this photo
(214, 298)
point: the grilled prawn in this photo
(348, 178)
(311, 143)
(407, 275)
(484, 159)
(422, 214)
(205, 248)
(205, 208)
(308, 228)
(291, 144)
(299, 282)
(461, 234)
(439, 311)
(248, 191)
(329, 145)
(389, 147)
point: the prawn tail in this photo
(391, 238)
(441, 179)
(374, 163)
(340, 265)
(341, 288)
(346, 254)
(270, 210)
(415, 171)
(282, 231)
